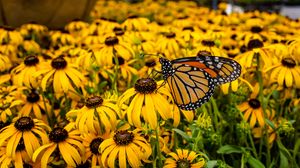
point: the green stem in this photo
(158, 157)
(264, 106)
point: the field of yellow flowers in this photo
(92, 94)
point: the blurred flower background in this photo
(91, 93)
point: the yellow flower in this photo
(286, 73)
(10, 36)
(249, 58)
(22, 75)
(150, 65)
(5, 63)
(61, 75)
(35, 106)
(169, 45)
(146, 101)
(32, 29)
(28, 47)
(31, 131)
(111, 49)
(59, 39)
(67, 141)
(92, 143)
(126, 69)
(184, 158)
(21, 158)
(253, 111)
(176, 112)
(76, 26)
(135, 23)
(126, 147)
(8, 107)
(209, 46)
(97, 116)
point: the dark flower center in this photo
(150, 63)
(243, 49)
(170, 35)
(59, 63)
(254, 103)
(288, 62)
(93, 102)
(123, 137)
(2, 124)
(24, 124)
(94, 145)
(33, 97)
(203, 53)
(121, 61)
(84, 165)
(26, 165)
(233, 37)
(183, 163)
(132, 16)
(118, 31)
(188, 28)
(58, 134)
(256, 29)
(255, 44)
(145, 85)
(208, 43)
(110, 41)
(31, 60)
(21, 145)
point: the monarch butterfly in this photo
(192, 79)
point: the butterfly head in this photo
(166, 67)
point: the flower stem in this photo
(264, 104)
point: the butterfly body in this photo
(192, 79)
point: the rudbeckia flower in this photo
(184, 158)
(35, 106)
(32, 131)
(66, 141)
(146, 101)
(22, 74)
(126, 147)
(253, 111)
(126, 68)
(177, 117)
(255, 48)
(8, 107)
(209, 46)
(259, 132)
(97, 116)
(135, 23)
(169, 45)
(21, 158)
(111, 49)
(61, 38)
(62, 75)
(92, 143)
(10, 36)
(150, 65)
(28, 47)
(76, 26)
(5, 63)
(286, 73)
(33, 30)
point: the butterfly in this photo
(192, 79)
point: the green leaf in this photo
(183, 134)
(296, 148)
(271, 124)
(211, 164)
(227, 149)
(255, 163)
(283, 160)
